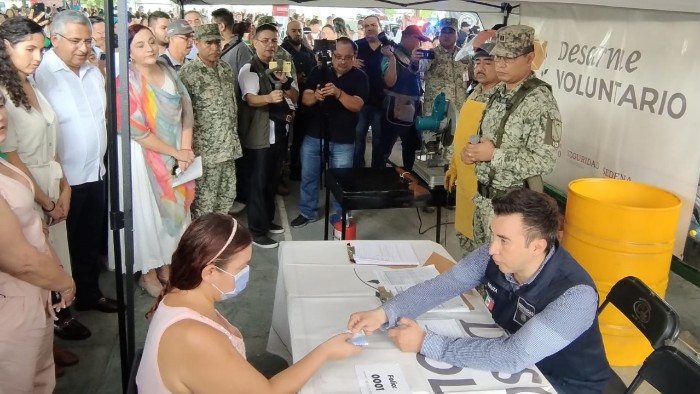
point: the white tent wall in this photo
(626, 82)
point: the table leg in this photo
(328, 210)
(343, 223)
(439, 221)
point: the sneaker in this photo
(302, 221)
(263, 241)
(276, 229)
(237, 207)
(333, 219)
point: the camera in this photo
(426, 54)
(385, 40)
(324, 48)
(324, 45)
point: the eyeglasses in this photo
(506, 60)
(76, 41)
(186, 37)
(346, 58)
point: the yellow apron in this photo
(467, 124)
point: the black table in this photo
(375, 188)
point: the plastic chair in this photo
(670, 371)
(131, 388)
(647, 311)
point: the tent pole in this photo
(506, 8)
(120, 220)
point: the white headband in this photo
(230, 238)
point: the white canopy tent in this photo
(646, 143)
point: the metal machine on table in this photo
(438, 130)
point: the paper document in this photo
(381, 378)
(384, 253)
(192, 172)
(397, 281)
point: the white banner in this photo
(627, 85)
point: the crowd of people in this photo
(238, 99)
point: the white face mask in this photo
(240, 280)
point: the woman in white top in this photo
(190, 347)
(30, 143)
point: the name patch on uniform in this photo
(492, 287)
(524, 311)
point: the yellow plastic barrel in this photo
(614, 229)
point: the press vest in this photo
(254, 122)
(581, 367)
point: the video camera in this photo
(385, 40)
(324, 49)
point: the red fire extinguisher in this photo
(350, 230)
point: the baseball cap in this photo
(178, 27)
(415, 31)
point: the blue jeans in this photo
(340, 156)
(369, 116)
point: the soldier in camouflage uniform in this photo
(444, 74)
(459, 174)
(520, 129)
(215, 138)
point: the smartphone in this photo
(427, 54)
(103, 56)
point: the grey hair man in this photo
(75, 90)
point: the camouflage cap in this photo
(208, 32)
(484, 50)
(452, 23)
(514, 41)
(266, 20)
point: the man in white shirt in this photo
(76, 91)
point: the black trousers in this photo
(85, 233)
(263, 167)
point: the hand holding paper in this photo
(368, 321)
(338, 347)
(192, 172)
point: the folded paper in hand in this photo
(192, 172)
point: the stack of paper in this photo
(397, 281)
(384, 253)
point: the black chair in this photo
(647, 311)
(132, 389)
(670, 371)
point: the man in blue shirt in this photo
(402, 103)
(536, 292)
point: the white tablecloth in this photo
(317, 290)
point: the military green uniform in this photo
(444, 74)
(530, 135)
(215, 136)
